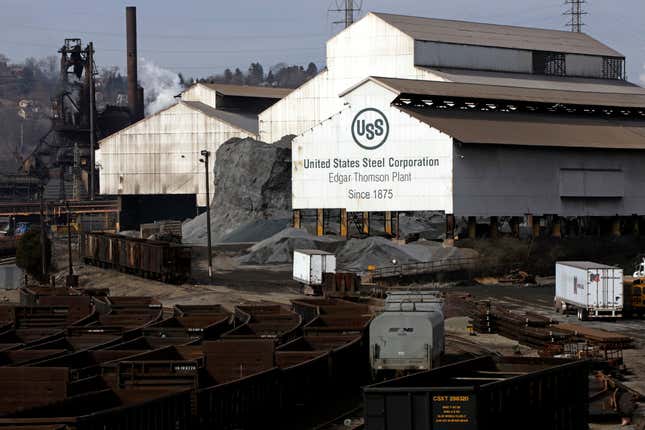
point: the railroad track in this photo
(350, 420)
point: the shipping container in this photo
(483, 393)
(310, 265)
(592, 290)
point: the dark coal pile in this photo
(252, 196)
(423, 225)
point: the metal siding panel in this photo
(426, 188)
(369, 47)
(316, 269)
(604, 183)
(495, 180)
(584, 66)
(591, 183)
(572, 183)
(435, 54)
(148, 155)
(398, 416)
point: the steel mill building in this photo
(153, 165)
(475, 120)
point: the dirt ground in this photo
(232, 284)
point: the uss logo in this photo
(370, 128)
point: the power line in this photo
(194, 37)
(175, 52)
(575, 12)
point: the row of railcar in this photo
(165, 261)
(201, 367)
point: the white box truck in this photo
(309, 267)
(592, 290)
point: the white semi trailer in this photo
(592, 290)
(309, 268)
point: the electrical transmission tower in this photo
(575, 11)
(347, 7)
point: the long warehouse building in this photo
(475, 120)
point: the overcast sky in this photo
(202, 37)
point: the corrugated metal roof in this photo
(534, 130)
(511, 93)
(250, 91)
(503, 36)
(247, 122)
(535, 81)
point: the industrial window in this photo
(549, 63)
(612, 68)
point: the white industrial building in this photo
(155, 161)
(465, 118)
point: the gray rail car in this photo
(409, 333)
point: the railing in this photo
(426, 267)
(58, 208)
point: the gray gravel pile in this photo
(278, 249)
(358, 254)
(252, 188)
(351, 255)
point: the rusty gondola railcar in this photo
(164, 261)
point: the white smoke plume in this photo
(160, 86)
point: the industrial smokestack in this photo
(135, 103)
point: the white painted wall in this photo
(146, 158)
(369, 47)
(200, 93)
(436, 54)
(412, 188)
(584, 66)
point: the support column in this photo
(615, 226)
(515, 227)
(472, 227)
(343, 223)
(388, 223)
(396, 225)
(366, 223)
(493, 228)
(556, 227)
(534, 222)
(297, 219)
(636, 225)
(450, 230)
(320, 222)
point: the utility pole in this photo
(70, 277)
(43, 248)
(204, 160)
(349, 12)
(347, 8)
(576, 12)
(90, 59)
